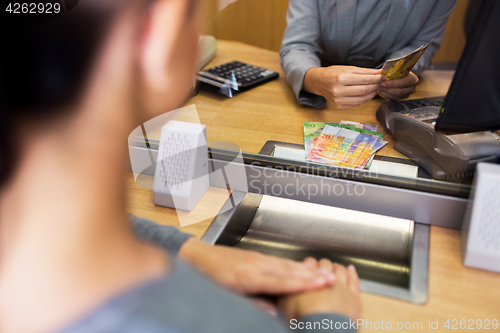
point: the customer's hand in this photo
(392, 90)
(343, 298)
(345, 86)
(249, 272)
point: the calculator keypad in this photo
(246, 75)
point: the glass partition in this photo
(268, 121)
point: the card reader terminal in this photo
(445, 157)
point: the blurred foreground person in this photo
(71, 91)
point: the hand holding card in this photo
(400, 82)
(392, 90)
(399, 68)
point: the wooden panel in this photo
(256, 22)
(454, 36)
(208, 14)
(262, 23)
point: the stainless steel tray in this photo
(390, 254)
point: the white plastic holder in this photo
(481, 225)
(181, 175)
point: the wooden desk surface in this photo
(270, 112)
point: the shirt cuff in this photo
(306, 98)
(295, 74)
(167, 237)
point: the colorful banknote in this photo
(400, 67)
(357, 125)
(360, 150)
(312, 130)
(321, 142)
(337, 150)
(346, 144)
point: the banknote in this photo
(381, 135)
(369, 158)
(379, 144)
(369, 162)
(339, 145)
(312, 130)
(372, 128)
(328, 133)
(399, 68)
(347, 144)
(361, 130)
(360, 150)
(360, 154)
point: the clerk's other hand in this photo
(392, 90)
(250, 272)
(345, 86)
(342, 298)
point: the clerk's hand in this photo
(345, 86)
(249, 272)
(392, 90)
(342, 298)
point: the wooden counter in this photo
(270, 112)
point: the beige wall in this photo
(255, 22)
(262, 23)
(454, 36)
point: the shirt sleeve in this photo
(169, 238)
(300, 49)
(434, 28)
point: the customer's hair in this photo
(43, 68)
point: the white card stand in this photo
(181, 174)
(481, 225)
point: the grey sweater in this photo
(183, 301)
(169, 238)
(361, 33)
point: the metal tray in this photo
(390, 254)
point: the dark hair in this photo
(44, 67)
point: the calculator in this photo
(247, 76)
